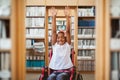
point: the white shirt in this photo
(61, 57)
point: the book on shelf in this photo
(5, 65)
(3, 36)
(115, 37)
(35, 11)
(115, 65)
(5, 7)
(86, 54)
(6, 41)
(86, 11)
(35, 33)
(35, 62)
(88, 23)
(115, 44)
(86, 44)
(86, 33)
(115, 8)
(39, 47)
(35, 22)
(86, 65)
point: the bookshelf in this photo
(74, 6)
(11, 20)
(86, 39)
(114, 39)
(35, 37)
(5, 38)
(107, 47)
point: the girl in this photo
(61, 45)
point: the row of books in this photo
(4, 29)
(89, 33)
(4, 36)
(35, 62)
(115, 8)
(86, 54)
(34, 57)
(5, 7)
(5, 65)
(115, 66)
(35, 11)
(36, 46)
(35, 33)
(89, 23)
(86, 65)
(86, 11)
(35, 22)
(39, 47)
(86, 44)
(5, 43)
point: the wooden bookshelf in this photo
(11, 22)
(60, 5)
(34, 27)
(31, 52)
(33, 71)
(5, 50)
(86, 3)
(35, 2)
(4, 18)
(86, 27)
(16, 36)
(82, 53)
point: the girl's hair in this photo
(61, 32)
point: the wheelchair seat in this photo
(45, 71)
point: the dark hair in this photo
(61, 32)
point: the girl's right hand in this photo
(53, 11)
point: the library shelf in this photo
(86, 27)
(85, 38)
(4, 17)
(33, 71)
(35, 27)
(85, 49)
(5, 50)
(35, 16)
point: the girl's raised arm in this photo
(67, 14)
(54, 35)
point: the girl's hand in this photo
(53, 11)
(67, 11)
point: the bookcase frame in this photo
(16, 20)
(60, 4)
(38, 39)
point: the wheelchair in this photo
(45, 71)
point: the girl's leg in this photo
(63, 76)
(52, 77)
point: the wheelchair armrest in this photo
(73, 71)
(44, 73)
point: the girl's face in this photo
(60, 38)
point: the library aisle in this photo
(36, 76)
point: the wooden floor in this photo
(88, 76)
(36, 77)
